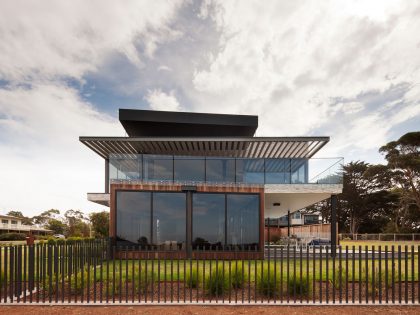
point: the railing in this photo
(87, 273)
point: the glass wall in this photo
(133, 218)
(208, 220)
(208, 169)
(299, 171)
(189, 169)
(158, 219)
(250, 171)
(148, 167)
(169, 219)
(277, 171)
(220, 170)
(158, 167)
(126, 167)
(242, 220)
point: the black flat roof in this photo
(150, 123)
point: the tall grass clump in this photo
(218, 283)
(267, 284)
(339, 278)
(238, 277)
(299, 286)
(191, 278)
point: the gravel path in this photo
(232, 310)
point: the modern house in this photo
(194, 183)
(10, 224)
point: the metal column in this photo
(333, 224)
(107, 176)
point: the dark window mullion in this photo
(226, 219)
(151, 218)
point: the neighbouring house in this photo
(9, 224)
(296, 219)
(196, 183)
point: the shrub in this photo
(51, 241)
(236, 276)
(191, 278)
(13, 237)
(299, 286)
(74, 240)
(60, 241)
(42, 237)
(268, 285)
(217, 284)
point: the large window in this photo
(159, 219)
(220, 170)
(250, 171)
(125, 167)
(208, 221)
(133, 218)
(158, 167)
(277, 171)
(242, 220)
(299, 169)
(169, 219)
(171, 168)
(189, 169)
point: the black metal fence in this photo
(87, 273)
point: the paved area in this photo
(231, 310)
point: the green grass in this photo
(369, 244)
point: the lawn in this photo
(351, 243)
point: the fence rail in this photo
(88, 273)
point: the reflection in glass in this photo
(189, 169)
(158, 167)
(299, 172)
(208, 221)
(169, 220)
(242, 220)
(133, 217)
(277, 171)
(250, 171)
(220, 170)
(125, 167)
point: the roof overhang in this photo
(151, 123)
(239, 147)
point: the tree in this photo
(18, 214)
(45, 216)
(100, 223)
(365, 196)
(76, 225)
(56, 226)
(403, 158)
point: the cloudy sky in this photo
(347, 69)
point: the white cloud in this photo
(43, 163)
(159, 100)
(290, 61)
(54, 38)
(41, 117)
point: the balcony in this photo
(226, 171)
